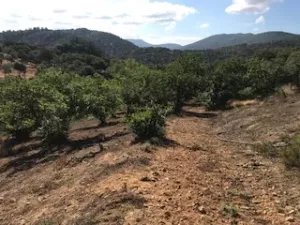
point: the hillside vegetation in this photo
(148, 139)
(226, 40)
(110, 44)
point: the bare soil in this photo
(103, 177)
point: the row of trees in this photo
(52, 100)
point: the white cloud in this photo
(250, 6)
(260, 20)
(121, 17)
(256, 29)
(204, 25)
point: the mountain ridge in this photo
(227, 40)
(143, 44)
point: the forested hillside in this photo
(227, 40)
(110, 44)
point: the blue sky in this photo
(155, 21)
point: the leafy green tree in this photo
(293, 66)
(26, 104)
(228, 78)
(148, 123)
(185, 77)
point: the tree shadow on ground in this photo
(99, 125)
(156, 141)
(204, 115)
(45, 153)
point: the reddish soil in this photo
(102, 177)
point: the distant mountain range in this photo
(116, 47)
(143, 44)
(226, 40)
(223, 40)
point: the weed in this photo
(267, 149)
(291, 154)
(229, 210)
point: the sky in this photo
(155, 21)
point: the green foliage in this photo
(7, 68)
(185, 79)
(24, 105)
(229, 210)
(148, 123)
(291, 154)
(292, 66)
(51, 101)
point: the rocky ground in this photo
(196, 176)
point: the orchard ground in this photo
(202, 173)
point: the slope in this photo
(111, 44)
(101, 177)
(143, 44)
(225, 40)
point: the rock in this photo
(290, 219)
(201, 210)
(280, 145)
(291, 212)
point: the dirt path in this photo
(197, 179)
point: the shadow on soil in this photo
(100, 125)
(39, 153)
(203, 115)
(160, 142)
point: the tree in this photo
(292, 66)
(185, 77)
(228, 78)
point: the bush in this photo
(148, 123)
(20, 67)
(291, 154)
(17, 108)
(7, 68)
(26, 105)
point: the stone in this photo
(201, 210)
(290, 219)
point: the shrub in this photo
(7, 68)
(291, 154)
(229, 210)
(148, 123)
(17, 108)
(26, 105)
(20, 67)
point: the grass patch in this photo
(291, 154)
(267, 149)
(289, 151)
(229, 210)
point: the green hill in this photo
(225, 40)
(110, 44)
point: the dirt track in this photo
(194, 179)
